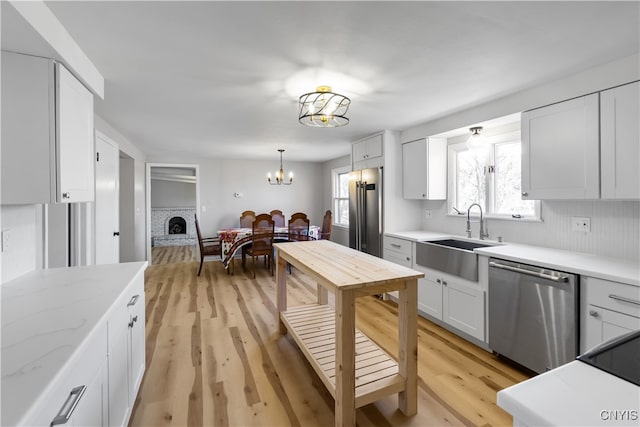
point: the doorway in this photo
(173, 198)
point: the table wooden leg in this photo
(323, 295)
(281, 280)
(408, 346)
(345, 359)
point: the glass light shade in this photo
(323, 108)
(476, 141)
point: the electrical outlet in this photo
(580, 224)
(428, 214)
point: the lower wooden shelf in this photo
(313, 328)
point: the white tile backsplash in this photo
(615, 227)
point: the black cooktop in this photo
(619, 357)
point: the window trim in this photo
(452, 150)
(335, 190)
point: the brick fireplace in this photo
(173, 227)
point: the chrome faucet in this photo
(483, 233)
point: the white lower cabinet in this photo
(455, 301)
(399, 251)
(126, 352)
(78, 397)
(610, 309)
(93, 411)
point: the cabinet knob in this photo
(438, 281)
(593, 313)
(424, 195)
(444, 282)
(66, 195)
(131, 324)
(525, 194)
(408, 259)
(116, 233)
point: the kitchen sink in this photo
(452, 256)
(465, 245)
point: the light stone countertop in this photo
(575, 394)
(615, 269)
(46, 316)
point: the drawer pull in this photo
(133, 300)
(69, 406)
(619, 298)
(395, 245)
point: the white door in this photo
(107, 201)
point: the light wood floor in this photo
(215, 358)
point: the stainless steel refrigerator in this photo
(365, 211)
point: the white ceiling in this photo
(210, 79)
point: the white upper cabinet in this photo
(424, 169)
(47, 133)
(367, 153)
(560, 150)
(620, 142)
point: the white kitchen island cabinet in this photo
(47, 133)
(56, 351)
(353, 368)
(560, 150)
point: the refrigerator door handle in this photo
(358, 209)
(363, 211)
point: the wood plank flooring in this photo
(215, 358)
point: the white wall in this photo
(615, 224)
(172, 194)
(136, 243)
(20, 254)
(221, 178)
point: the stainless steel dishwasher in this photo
(533, 314)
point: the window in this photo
(341, 196)
(489, 177)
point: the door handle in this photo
(69, 405)
(619, 298)
(540, 275)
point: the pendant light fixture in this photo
(323, 108)
(279, 178)
(475, 140)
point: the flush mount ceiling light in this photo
(280, 174)
(323, 108)
(475, 140)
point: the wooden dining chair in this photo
(246, 221)
(209, 246)
(262, 241)
(327, 223)
(299, 227)
(247, 218)
(278, 217)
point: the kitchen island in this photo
(575, 394)
(353, 368)
(58, 325)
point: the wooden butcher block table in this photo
(352, 367)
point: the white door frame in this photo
(196, 169)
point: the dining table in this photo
(233, 239)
